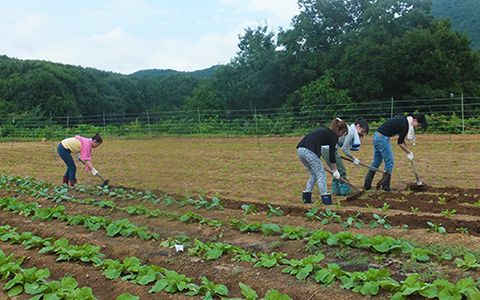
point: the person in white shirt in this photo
(347, 143)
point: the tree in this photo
(320, 101)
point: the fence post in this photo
(254, 113)
(68, 124)
(104, 125)
(463, 116)
(199, 122)
(391, 108)
(53, 134)
(149, 130)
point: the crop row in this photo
(34, 282)
(129, 269)
(379, 243)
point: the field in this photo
(233, 203)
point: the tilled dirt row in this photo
(257, 242)
(396, 218)
(85, 274)
(454, 190)
(220, 271)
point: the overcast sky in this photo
(128, 35)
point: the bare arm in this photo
(88, 164)
(404, 147)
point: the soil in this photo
(239, 172)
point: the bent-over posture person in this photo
(350, 142)
(309, 151)
(404, 127)
(77, 145)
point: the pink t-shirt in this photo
(86, 150)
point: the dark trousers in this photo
(67, 158)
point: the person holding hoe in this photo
(78, 145)
(309, 151)
(404, 127)
(349, 142)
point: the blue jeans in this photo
(67, 158)
(382, 151)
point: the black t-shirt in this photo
(396, 125)
(320, 137)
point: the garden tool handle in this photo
(98, 174)
(362, 164)
(343, 180)
(416, 173)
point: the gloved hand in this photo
(336, 174)
(94, 172)
(356, 161)
(410, 156)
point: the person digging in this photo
(77, 145)
(350, 142)
(309, 152)
(404, 127)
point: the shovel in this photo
(358, 192)
(105, 181)
(419, 186)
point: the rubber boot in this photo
(307, 197)
(72, 182)
(345, 189)
(327, 199)
(368, 180)
(386, 182)
(336, 187)
(65, 179)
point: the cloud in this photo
(281, 10)
(278, 12)
(31, 25)
(128, 35)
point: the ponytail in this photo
(339, 126)
(97, 138)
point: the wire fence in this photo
(445, 115)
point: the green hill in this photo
(169, 72)
(465, 15)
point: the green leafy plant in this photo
(449, 213)
(442, 200)
(210, 289)
(173, 282)
(436, 228)
(270, 260)
(276, 295)
(273, 211)
(354, 221)
(294, 233)
(386, 207)
(379, 221)
(249, 209)
(468, 262)
(302, 268)
(329, 216)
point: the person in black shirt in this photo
(309, 151)
(404, 127)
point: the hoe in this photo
(358, 192)
(379, 183)
(419, 186)
(104, 181)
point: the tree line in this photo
(334, 54)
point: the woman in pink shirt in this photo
(78, 145)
